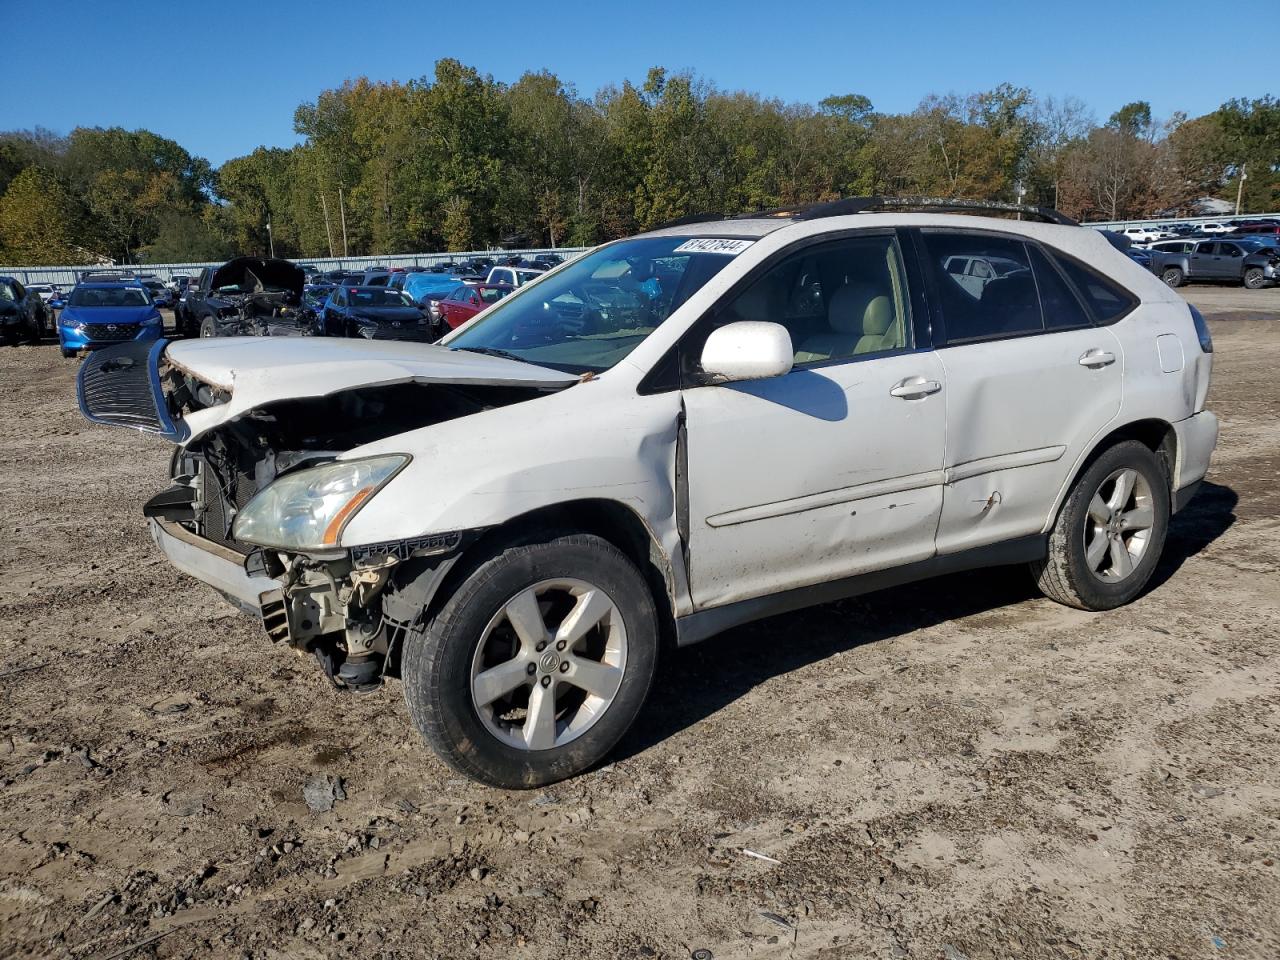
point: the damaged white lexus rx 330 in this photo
(670, 435)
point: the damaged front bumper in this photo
(350, 611)
(220, 567)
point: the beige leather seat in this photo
(862, 320)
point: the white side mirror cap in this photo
(748, 350)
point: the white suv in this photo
(668, 436)
(1144, 234)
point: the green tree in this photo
(36, 222)
(1251, 142)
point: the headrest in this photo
(860, 308)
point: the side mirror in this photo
(747, 350)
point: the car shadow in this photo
(1207, 517)
(697, 681)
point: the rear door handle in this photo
(1096, 359)
(914, 388)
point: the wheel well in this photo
(606, 519)
(1157, 435)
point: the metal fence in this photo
(1194, 221)
(67, 276)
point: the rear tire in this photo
(1172, 276)
(1110, 531)
(1254, 278)
(500, 635)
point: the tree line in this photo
(459, 161)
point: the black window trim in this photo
(1053, 254)
(1090, 318)
(917, 319)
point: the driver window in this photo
(838, 300)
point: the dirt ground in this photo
(956, 769)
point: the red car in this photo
(466, 301)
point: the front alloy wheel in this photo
(549, 664)
(537, 662)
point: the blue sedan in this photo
(100, 314)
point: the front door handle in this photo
(1096, 359)
(914, 388)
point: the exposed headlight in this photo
(307, 510)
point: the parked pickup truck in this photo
(1232, 261)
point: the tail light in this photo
(1202, 330)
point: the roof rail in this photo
(691, 218)
(852, 205)
(839, 208)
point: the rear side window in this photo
(1062, 309)
(985, 286)
(1106, 299)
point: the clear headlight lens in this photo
(152, 321)
(307, 510)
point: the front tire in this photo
(1172, 276)
(1254, 278)
(1110, 531)
(537, 664)
(208, 328)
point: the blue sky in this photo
(228, 80)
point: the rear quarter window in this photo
(1107, 300)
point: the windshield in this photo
(108, 297)
(378, 297)
(595, 311)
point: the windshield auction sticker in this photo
(728, 248)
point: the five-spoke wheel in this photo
(1118, 526)
(537, 663)
(1107, 538)
(549, 664)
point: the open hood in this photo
(257, 274)
(257, 371)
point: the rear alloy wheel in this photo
(537, 664)
(1254, 278)
(1172, 276)
(1109, 534)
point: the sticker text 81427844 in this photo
(721, 245)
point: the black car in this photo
(23, 314)
(255, 296)
(375, 313)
